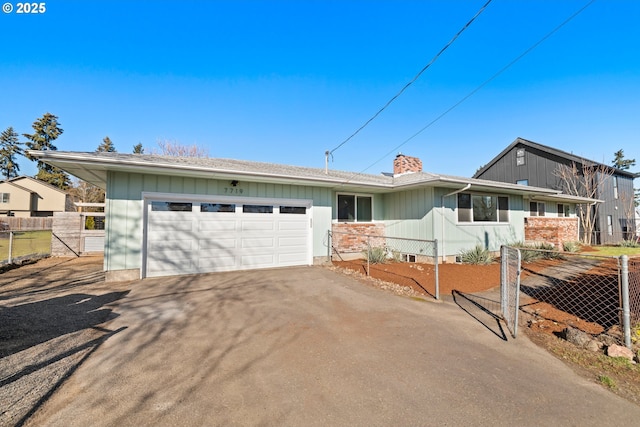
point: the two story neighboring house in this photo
(529, 163)
(28, 197)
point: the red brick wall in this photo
(551, 230)
(404, 164)
(351, 237)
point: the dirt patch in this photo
(53, 314)
(464, 278)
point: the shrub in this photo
(571, 246)
(630, 244)
(530, 253)
(550, 251)
(376, 255)
(477, 255)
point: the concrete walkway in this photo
(311, 347)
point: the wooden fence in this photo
(28, 223)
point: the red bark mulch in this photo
(464, 278)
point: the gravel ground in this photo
(52, 314)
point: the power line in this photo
(483, 84)
(414, 79)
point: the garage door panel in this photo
(222, 225)
(292, 226)
(217, 244)
(256, 242)
(172, 225)
(199, 241)
(265, 225)
(292, 241)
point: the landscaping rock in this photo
(620, 351)
(594, 345)
(576, 337)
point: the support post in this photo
(10, 247)
(435, 260)
(626, 314)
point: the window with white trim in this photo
(4, 197)
(563, 210)
(482, 208)
(355, 208)
(536, 208)
(615, 187)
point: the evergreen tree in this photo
(56, 177)
(46, 130)
(620, 162)
(106, 146)
(137, 149)
(10, 147)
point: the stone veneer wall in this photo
(551, 230)
(353, 237)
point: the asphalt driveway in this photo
(309, 346)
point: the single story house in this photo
(24, 196)
(176, 215)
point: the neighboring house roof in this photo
(39, 182)
(554, 152)
(13, 184)
(93, 167)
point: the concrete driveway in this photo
(312, 347)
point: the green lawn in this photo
(614, 251)
(25, 243)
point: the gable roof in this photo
(39, 182)
(19, 187)
(554, 152)
(94, 166)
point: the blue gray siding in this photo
(124, 209)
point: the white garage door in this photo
(187, 237)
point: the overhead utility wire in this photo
(473, 92)
(414, 79)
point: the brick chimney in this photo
(405, 164)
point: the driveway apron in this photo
(308, 346)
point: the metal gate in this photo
(510, 265)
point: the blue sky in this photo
(284, 81)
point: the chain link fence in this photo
(510, 287)
(18, 246)
(634, 298)
(596, 294)
(374, 252)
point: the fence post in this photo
(328, 245)
(624, 285)
(368, 254)
(435, 262)
(10, 246)
(503, 278)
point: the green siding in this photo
(459, 235)
(124, 209)
(409, 214)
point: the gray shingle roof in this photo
(93, 167)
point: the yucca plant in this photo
(376, 255)
(477, 255)
(571, 246)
